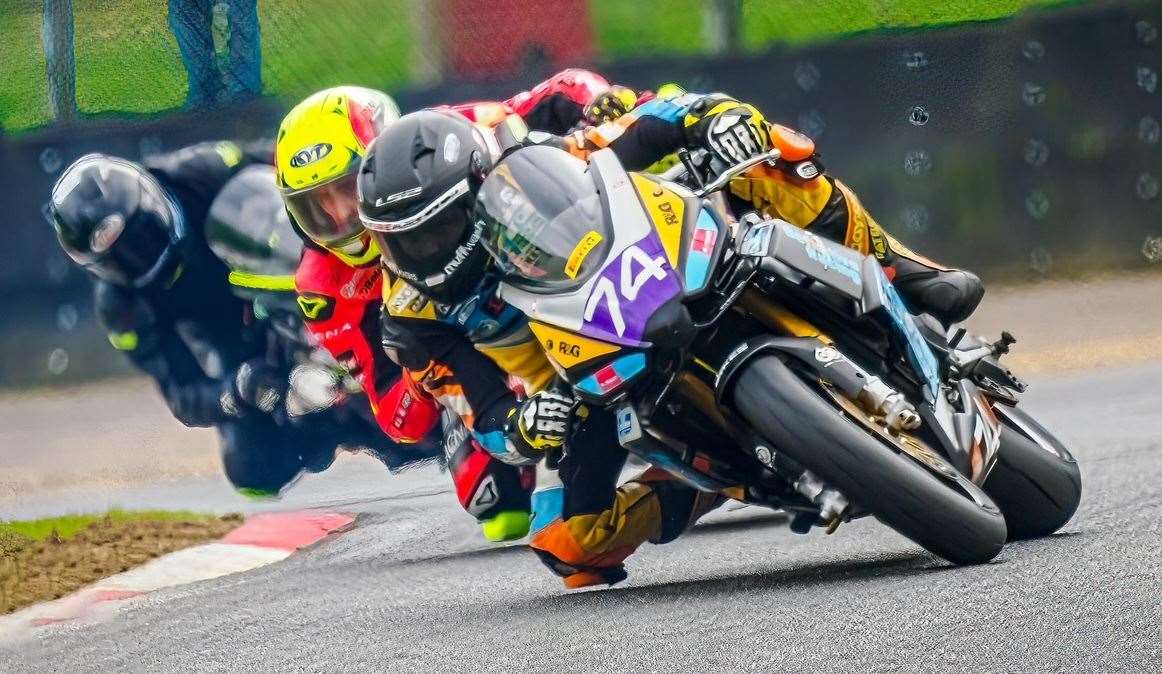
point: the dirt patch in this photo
(32, 571)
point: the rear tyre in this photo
(1037, 489)
(963, 527)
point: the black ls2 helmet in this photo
(114, 219)
(417, 191)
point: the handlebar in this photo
(738, 169)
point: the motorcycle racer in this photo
(166, 301)
(339, 279)
(431, 238)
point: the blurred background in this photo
(1016, 137)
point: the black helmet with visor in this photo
(417, 191)
(114, 219)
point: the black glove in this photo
(732, 131)
(609, 105)
(540, 424)
(260, 386)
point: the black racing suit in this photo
(191, 333)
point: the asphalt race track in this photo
(414, 587)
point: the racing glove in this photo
(609, 105)
(540, 424)
(259, 387)
(732, 131)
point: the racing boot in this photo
(949, 295)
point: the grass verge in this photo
(48, 558)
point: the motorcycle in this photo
(752, 358)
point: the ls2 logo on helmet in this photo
(310, 154)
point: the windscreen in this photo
(544, 220)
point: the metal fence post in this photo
(57, 38)
(722, 25)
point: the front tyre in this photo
(963, 528)
(1036, 483)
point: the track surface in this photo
(414, 587)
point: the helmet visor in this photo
(328, 213)
(428, 254)
(125, 251)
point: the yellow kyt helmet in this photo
(317, 153)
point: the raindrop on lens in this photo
(1147, 187)
(66, 317)
(811, 124)
(1041, 260)
(58, 361)
(57, 267)
(1148, 130)
(1036, 153)
(1033, 51)
(1033, 94)
(149, 146)
(918, 115)
(916, 218)
(1147, 79)
(915, 61)
(807, 76)
(1037, 204)
(917, 163)
(1146, 31)
(1152, 249)
(50, 160)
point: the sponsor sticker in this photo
(581, 251)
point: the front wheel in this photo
(959, 523)
(1036, 483)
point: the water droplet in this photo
(50, 160)
(807, 76)
(811, 123)
(149, 146)
(1152, 249)
(1037, 204)
(58, 361)
(1033, 51)
(915, 61)
(57, 266)
(66, 317)
(1033, 94)
(1147, 79)
(918, 115)
(1147, 187)
(1041, 260)
(1146, 31)
(1148, 130)
(1036, 153)
(917, 163)
(916, 218)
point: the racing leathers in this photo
(200, 343)
(341, 304)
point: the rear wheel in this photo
(956, 521)
(1036, 484)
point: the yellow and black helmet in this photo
(317, 152)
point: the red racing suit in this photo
(341, 305)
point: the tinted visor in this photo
(125, 252)
(424, 253)
(328, 213)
